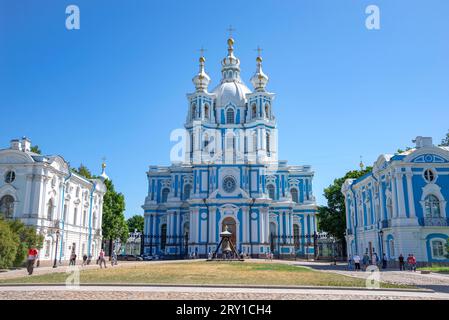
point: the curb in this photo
(168, 285)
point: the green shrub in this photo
(9, 242)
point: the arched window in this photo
(438, 250)
(94, 221)
(75, 215)
(273, 237)
(294, 193)
(267, 114)
(389, 208)
(50, 209)
(187, 190)
(165, 193)
(163, 236)
(268, 142)
(206, 111)
(296, 236)
(255, 141)
(7, 206)
(193, 111)
(270, 189)
(205, 141)
(230, 116)
(432, 207)
(10, 176)
(253, 111)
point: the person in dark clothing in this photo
(384, 261)
(401, 262)
(84, 259)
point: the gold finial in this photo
(103, 164)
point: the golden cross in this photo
(259, 50)
(202, 50)
(230, 29)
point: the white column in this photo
(381, 200)
(212, 224)
(42, 181)
(26, 206)
(261, 226)
(244, 224)
(281, 223)
(267, 225)
(411, 202)
(394, 200)
(401, 200)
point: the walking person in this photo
(409, 262)
(32, 255)
(113, 259)
(384, 261)
(102, 259)
(356, 259)
(401, 262)
(84, 260)
(374, 259)
(72, 259)
(365, 261)
(350, 266)
(413, 262)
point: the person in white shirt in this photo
(356, 259)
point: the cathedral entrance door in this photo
(230, 223)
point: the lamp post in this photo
(56, 248)
(381, 234)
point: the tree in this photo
(401, 151)
(445, 141)
(332, 218)
(36, 149)
(135, 222)
(8, 245)
(114, 224)
(27, 238)
(83, 171)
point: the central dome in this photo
(231, 92)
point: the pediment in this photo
(15, 157)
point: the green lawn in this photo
(245, 273)
(439, 269)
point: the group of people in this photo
(410, 263)
(358, 263)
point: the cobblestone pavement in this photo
(22, 272)
(433, 281)
(201, 293)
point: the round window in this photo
(229, 184)
(10, 177)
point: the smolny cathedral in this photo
(229, 176)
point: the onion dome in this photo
(202, 79)
(259, 79)
(103, 175)
(230, 65)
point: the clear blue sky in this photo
(117, 86)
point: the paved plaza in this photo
(429, 286)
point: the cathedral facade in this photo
(228, 176)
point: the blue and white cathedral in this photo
(228, 174)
